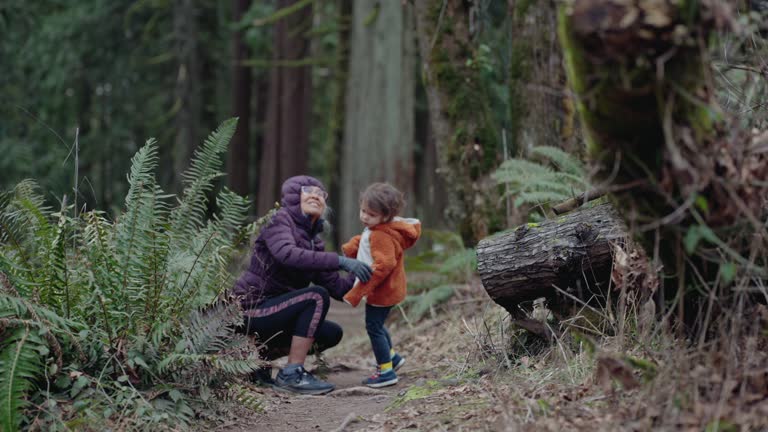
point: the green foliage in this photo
(557, 177)
(19, 361)
(420, 304)
(93, 309)
(435, 274)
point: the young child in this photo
(381, 245)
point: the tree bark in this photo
(538, 97)
(335, 140)
(379, 109)
(572, 252)
(187, 91)
(657, 125)
(430, 190)
(239, 149)
(286, 144)
(466, 138)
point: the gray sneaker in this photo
(302, 382)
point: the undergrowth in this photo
(121, 323)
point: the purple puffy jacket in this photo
(288, 254)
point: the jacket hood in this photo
(405, 230)
(291, 198)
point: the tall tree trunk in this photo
(430, 190)
(187, 91)
(645, 95)
(239, 149)
(379, 112)
(538, 101)
(261, 84)
(467, 141)
(335, 140)
(286, 142)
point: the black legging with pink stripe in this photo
(297, 313)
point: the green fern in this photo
(420, 304)
(27, 234)
(435, 273)
(557, 177)
(113, 292)
(207, 162)
(12, 306)
(205, 336)
(136, 236)
(562, 160)
(207, 330)
(246, 397)
(19, 365)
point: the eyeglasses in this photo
(314, 190)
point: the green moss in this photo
(575, 70)
(455, 71)
(414, 393)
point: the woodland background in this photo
(115, 246)
(333, 89)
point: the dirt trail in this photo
(349, 363)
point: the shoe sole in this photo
(304, 392)
(384, 383)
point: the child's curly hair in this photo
(384, 199)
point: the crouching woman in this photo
(285, 291)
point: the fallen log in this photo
(572, 252)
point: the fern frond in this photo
(19, 364)
(141, 243)
(11, 306)
(208, 330)
(55, 290)
(246, 397)
(562, 160)
(213, 247)
(537, 183)
(141, 178)
(205, 167)
(423, 302)
(233, 214)
(517, 170)
(188, 363)
(24, 231)
(464, 261)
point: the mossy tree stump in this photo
(646, 97)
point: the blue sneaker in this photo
(397, 361)
(302, 382)
(381, 379)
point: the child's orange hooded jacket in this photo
(388, 241)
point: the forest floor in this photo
(461, 374)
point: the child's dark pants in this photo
(374, 325)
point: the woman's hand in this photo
(360, 269)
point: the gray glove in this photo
(360, 269)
